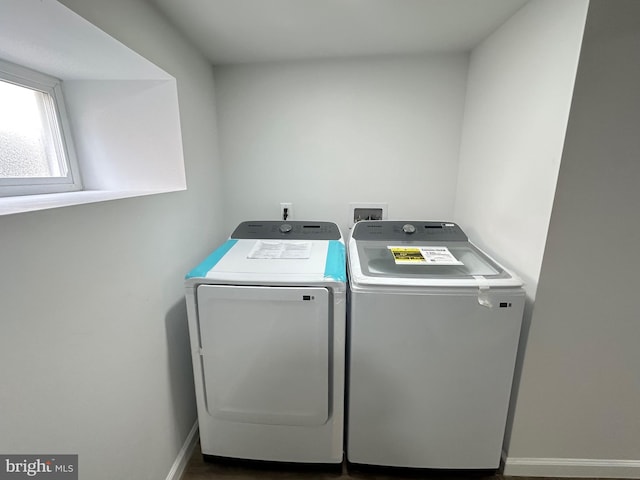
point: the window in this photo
(122, 108)
(36, 152)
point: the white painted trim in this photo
(181, 461)
(571, 467)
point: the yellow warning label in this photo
(423, 256)
(407, 255)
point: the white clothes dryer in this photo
(433, 332)
(267, 321)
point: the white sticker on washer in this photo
(277, 249)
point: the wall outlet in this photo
(286, 211)
(366, 211)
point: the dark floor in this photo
(198, 469)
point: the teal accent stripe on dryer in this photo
(336, 266)
(210, 262)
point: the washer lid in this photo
(423, 263)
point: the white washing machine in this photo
(433, 332)
(267, 315)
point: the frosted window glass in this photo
(27, 145)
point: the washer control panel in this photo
(293, 230)
(386, 230)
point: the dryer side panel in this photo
(265, 353)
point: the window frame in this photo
(61, 130)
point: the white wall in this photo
(580, 386)
(518, 98)
(322, 134)
(93, 335)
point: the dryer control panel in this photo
(293, 230)
(386, 230)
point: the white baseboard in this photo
(181, 461)
(571, 467)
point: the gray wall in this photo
(580, 387)
(93, 334)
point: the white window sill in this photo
(30, 203)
